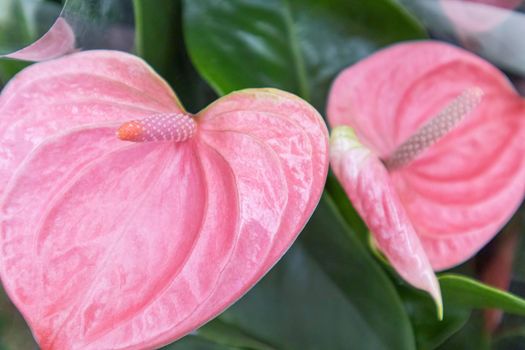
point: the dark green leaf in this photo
(8, 69)
(294, 45)
(461, 294)
(156, 25)
(229, 335)
(344, 205)
(159, 40)
(326, 293)
(470, 337)
(192, 342)
(14, 333)
(461, 291)
(511, 339)
(429, 331)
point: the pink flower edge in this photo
(109, 244)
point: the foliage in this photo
(329, 291)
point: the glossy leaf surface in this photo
(115, 239)
(311, 299)
(160, 42)
(198, 343)
(429, 331)
(294, 45)
(461, 295)
(462, 291)
(471, 337)
(348, 276)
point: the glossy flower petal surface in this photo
(462, 189)
(110, 244)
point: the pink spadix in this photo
(160, 127)
(435, 128)
(108, 244)
(427, 144)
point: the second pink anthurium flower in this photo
(428, 143)
(108, 244)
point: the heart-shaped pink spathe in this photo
(108, 244)
(452, 198)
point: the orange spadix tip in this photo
(130, 131)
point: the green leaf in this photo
(156, 25)
(294, 45)
(193, 342)
(14, 332)
(429, 331)
(511, 343)
(159, 40)
(461, 291)
(461, 295)
(326, 293)
(470, 337)
(510, 339)
(229, 335)
(218, 334)
(9, 68)
(350, 215)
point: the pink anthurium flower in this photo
(111, 244)
(428, 144)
